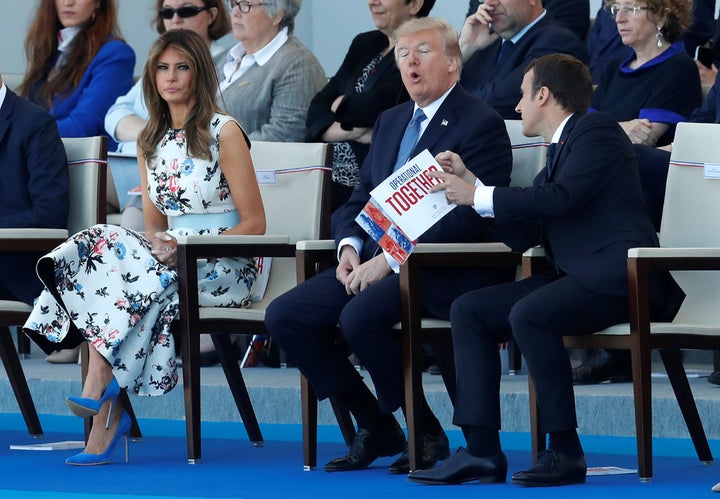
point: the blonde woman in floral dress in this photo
(117, 289)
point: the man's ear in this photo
(542, 96)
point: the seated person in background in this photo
(590, 187)
(269, 77)
(575, 14)
(33, 186)
(500, 40)
(367, 83)
(652, 90)
(116, 289)
(127, 116)
(362, 293)
(658, 84)
(606, 48)
(77, 64)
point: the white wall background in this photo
(325, 26)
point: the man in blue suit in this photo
(500, 40)
(33, 186)
(362, 293)
(586, 208)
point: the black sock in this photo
(363, 405)
(430, 423)
(566, 443)
(482, 441)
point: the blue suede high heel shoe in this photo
(87, 407)
(123, 430)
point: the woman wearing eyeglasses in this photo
(270, 77)
(77, 63)
(658, 85)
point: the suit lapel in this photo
(442, 122)
(5, 113)
(552, 168)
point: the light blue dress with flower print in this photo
(105, 281)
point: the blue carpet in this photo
(232, 468)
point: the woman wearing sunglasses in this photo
(77, 63)
(207, 18)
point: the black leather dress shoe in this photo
(603, 365)
(714, 378)
(463, 467)
(367, 447)
(435, 448)
(552, 469)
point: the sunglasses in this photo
(183, 12)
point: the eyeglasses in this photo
(244, 5)
(183, 12)
(629, 10)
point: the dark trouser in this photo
(303, 320)
(539, 311)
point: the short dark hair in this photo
(425, 9)
(567, 78)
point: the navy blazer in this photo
(33, 185)
(498, 82)
(462, 124)
(587, 207)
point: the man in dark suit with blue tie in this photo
(33, 186)
(500, 40)
(362, 294)
(586, 208)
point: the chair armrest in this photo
(314, 256)
(271, 245)
(659, 259)
(316, 245)
(31, 240)
(459, 255)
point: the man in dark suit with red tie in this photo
(33, 186)
(500, 40)
(586, 209)
(362, 294)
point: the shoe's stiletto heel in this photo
(87, 407)
(123, 431)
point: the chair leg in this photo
(11, 361)
(537, 439)
(23, 343)
(412, 373)
(514, 358)
(229, 362)
(642, 394)
(309, 403)
(191, 389)
(672, 359)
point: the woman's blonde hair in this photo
(204, 89)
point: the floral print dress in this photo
(105, 281)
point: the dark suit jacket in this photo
(498, 82)
(462, 124)
(33, 185)
(588, 209)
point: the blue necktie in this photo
(412, 134)
(506, 45)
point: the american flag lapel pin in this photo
(444, 123)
